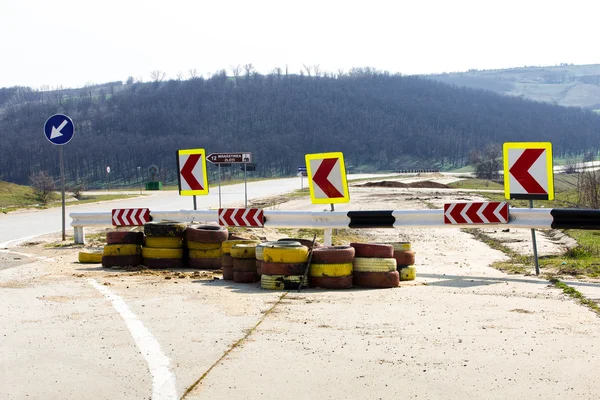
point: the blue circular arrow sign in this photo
(59, 129)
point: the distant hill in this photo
(565, 85)
(379, 121)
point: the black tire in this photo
(206, 233)
(333, 255)
(165, 229)
(118, 237)
(122, 261)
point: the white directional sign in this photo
(528, 171)
(192, 172)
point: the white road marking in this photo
(15, 242)
(163, 380)
(41, 258)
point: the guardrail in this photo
(536, 218)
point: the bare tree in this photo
(340, 72)
(157, 76)
(248, 68)
(236, 70)
(179, 75)
(487, 163)
(317, 70)
(193, 73)
(588, 189)
(43, 186)
(307, 68)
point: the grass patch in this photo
(14, 196)
(576, 294)
(474, 183)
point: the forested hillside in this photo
(379, 121)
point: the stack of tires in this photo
(122, 249)
(204, 245)
(375, 266)
(227, 260)
(283, 266)
(331, 267)
(260, 255)
(163, 247)
(244, 263)
(405, 259)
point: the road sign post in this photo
(59, 130)
(301, 174)
(529, 175)
(231, 158)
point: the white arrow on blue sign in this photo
(59, 129)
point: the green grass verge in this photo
(14, 196)
(474, 183)
(576, 294)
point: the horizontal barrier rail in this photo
(536, 218)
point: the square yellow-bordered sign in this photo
(192, 179)
(327, 178)
(528, 171)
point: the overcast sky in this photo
(78, 42)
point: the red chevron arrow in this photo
(130, 216)
(241, 217)
(321, 178)
(520, 170)
(188, 174)
(471, 213)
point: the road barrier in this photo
(530, 218)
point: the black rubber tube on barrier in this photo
(575, 219)
(371, 219)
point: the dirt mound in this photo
(431, 175)
(428, 185)
(394, 184)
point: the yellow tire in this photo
(330, 270)
(214, 253)
(281, 282)
(399, 246)
(287, 255)
(122, 250)
(151, 252)
(204, 246)
(90, 256)
(164, 242)
(408, 274)
(226, 245)
(365, 264)
(243, 251)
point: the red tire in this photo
(206, 233)
(244, 265)
(121, 261)
(303, 242)
(226, 261)
(377, 279)
(125, 237)
(259, 264)
(404, 258)
(341, 282)
(227, 273)
(204, 263)
(163, 263)
(270, 268)
(245, 277)
(333, 255)
(372, 250)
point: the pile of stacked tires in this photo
(227, 259)
(163, 246)
(331, 267)
(405, 259)
(204, 243)
(283, 265)
(375, 266)
(122, 249)
(243, 257)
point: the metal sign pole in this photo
(301, 181)
(245, 189)
(62, 184)
(535, 253)
(219, 165)
(195, 202)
